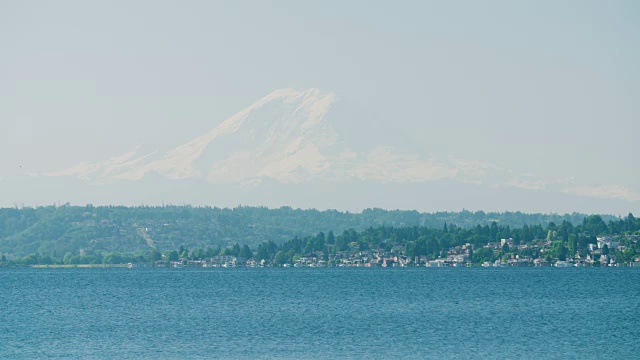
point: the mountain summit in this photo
(283, 136)
(282, 150)
(279, 136)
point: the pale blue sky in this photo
(547, 88)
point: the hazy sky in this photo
(547, 88)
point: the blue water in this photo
(319, 313)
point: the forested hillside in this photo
(57, 230)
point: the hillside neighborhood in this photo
(601, 254)
(590, 243)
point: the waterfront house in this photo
(508, 241)
(437, 263)
(539, 262)
(251, 263)
(460, 258)
(388, 262)
(222, 260)
(611, 243)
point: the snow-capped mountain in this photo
(283, 136)
(282, 150)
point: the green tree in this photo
(484, 254)
(155, 255)
(235, 250)
(572, 244)
(246, 252)
(309, 248)
(558, 250)
(211, 252)
(263, 252)
(30, 259)
(45, 260)
(112, 258)
(198, 254)
(67, 257)
(331, 239)
(173, 256)
(281, 258)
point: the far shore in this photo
(71, 266)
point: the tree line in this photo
(58, 230)
(566, 240)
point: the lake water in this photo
(320, 313)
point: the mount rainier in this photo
(284, 136)
(281, 150)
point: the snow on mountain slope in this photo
(284, 138)
(277, 127)
(275, 136)
(109, 168)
